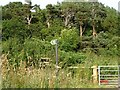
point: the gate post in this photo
(95, 74)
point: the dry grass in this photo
(44, 78)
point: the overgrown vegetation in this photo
(88, 34)
(46, 78)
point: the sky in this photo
(43, 3)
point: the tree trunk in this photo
(66, 20)
(48, 24)
(94, 31)
(81, 31)
(29, 20)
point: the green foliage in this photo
(13, 29)
(110, 23)
(35, 49)
(13, 48)
(69, 39)
(25, 42)
(27, 31)
(36, 46)
(114, 46)
(71, 58)
(30, 51)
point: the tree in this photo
(68, 12)
(36, 8)
(14, 28)
(82, 16)
(49, 14)
(28, 8)
(111, 22)
(27, 30)
(97, 15)
(13, 10)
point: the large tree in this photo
(97, 16)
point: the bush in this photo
(71, 58)
(69, 40)
(30, 51)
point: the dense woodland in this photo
(88, 33)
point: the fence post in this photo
(95, 74)
(118, 77)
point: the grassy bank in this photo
(46, 77)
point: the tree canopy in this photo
(79, 26)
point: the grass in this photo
(43, 79)
(46, 78)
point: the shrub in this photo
(71, 58)
(69, 40)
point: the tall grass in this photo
(31, 77)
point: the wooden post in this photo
(95, 74)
